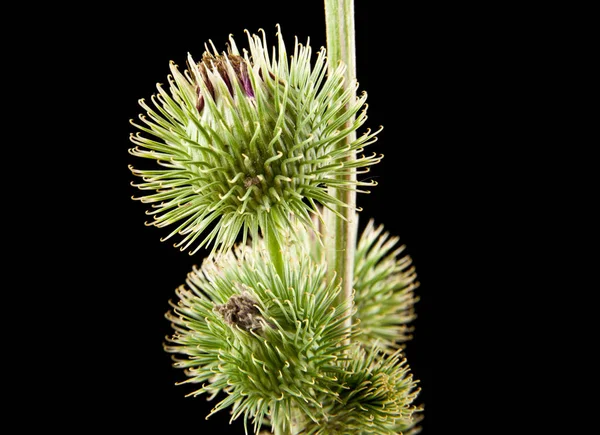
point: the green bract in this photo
(248, 143)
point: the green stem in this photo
(294, 429)
(274, 248)
(340, 240)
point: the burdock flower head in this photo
(249, 143)
(273, 345)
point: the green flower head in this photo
(273, 346)
(248, 142)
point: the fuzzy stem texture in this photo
(339, 20)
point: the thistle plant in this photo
(257, 154)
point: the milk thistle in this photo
(256, 154)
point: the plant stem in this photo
(295, 425)
(274, 248)
(340, 240)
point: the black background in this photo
(434, 81)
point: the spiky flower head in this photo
(275, 343)
(247, 142)
(272, 343)
(385, 281)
